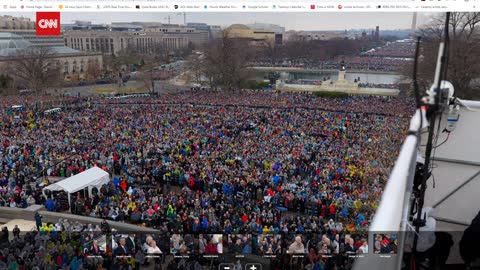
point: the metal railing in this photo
(393, 210)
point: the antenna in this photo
(415, 70)
(184, 17)
(168, 18)
(432, 111)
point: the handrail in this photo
(392, 212)
(392, 204)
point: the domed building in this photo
(238, 27)
(11, 44)
(72, 63)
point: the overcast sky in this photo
(291, 21)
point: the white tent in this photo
(93, 177)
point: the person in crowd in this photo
(38, 220)
(153, 248)
(363, 249)
(211, 248)
(16, 232)
(96, 250)
(297, 246)
(122, 249)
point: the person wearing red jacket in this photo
(332, 212)
(123, 185)
(211, 248)
(324, 211)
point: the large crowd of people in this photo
(356, 63)
(211, 162)
(60, 245)
(391, 57)
(398, 49)
(379, 85)
(386, 106)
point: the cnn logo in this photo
(48, 24)
(43, 23)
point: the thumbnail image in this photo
(238, 243)
(296, 245)
(95, 244)
(385, 244)
(182, 244)
(354, 244)
(154, 244)
(268, 244)
(94, 247)
(214, 244)
(123, 245)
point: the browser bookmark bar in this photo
(132, 6)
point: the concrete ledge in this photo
(7, 213)
(126, 227)
(348, 89)
(310, 70)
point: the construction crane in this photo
(184, 17)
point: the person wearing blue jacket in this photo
(38, 220)
(50, 205)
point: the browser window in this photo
(239, 135)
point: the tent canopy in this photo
(93, 177)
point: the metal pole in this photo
(153, 82)
(456, 189)
(419, 221)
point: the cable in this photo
(436, 142)
(433, 179)
(448, 136)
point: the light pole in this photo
(153, 81)
(184, 17)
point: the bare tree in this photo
(93, 70)
(146, 76)
(226, 62)
(127, 56)
(6, 83)
(160, 53)
(195, 67)
(464, 52)
(36, 68)
(272, 52)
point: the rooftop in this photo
(12, 44)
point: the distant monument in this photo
(413, 28)
(342, 76)
(341, 83)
